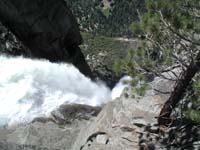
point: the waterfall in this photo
(31, 88)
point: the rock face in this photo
(47, 28)
(121, 121)
(58, 132)
(41, 24)
(40, 136)
(125, 123)
(131, 124)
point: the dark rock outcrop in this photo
(10, 45)
(47, 28)
(68, 113)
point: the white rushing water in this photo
(31, 88)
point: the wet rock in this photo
(10, 45)
(67, 113)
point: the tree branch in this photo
(175, 32)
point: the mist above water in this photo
(31, 88)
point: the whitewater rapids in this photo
(32, 88)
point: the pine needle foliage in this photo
(168, 34)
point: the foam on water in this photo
(31, 88)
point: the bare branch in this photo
(162, 92)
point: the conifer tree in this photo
(88, 14)
(123, 13)
(169, 34)
(112, 21)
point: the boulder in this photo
(67, 113)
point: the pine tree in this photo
(169, 34)
(112, 21)
(122, 14)
(88, 14)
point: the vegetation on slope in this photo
(98, 17)
(169, 33)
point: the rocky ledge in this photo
(125, 123)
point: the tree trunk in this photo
(179, 91)
(47, 28)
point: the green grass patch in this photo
(97, 44)
(113, 48)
